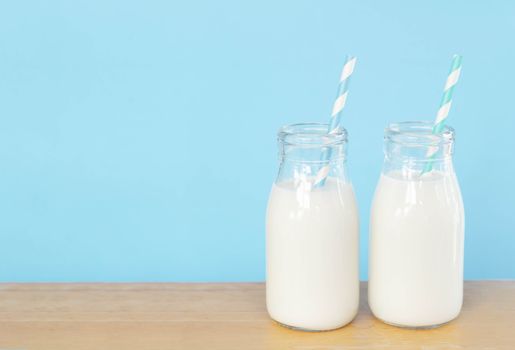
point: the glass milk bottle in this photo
(416, 230)
(312, 232)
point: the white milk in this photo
(416, 250)
(312, 255)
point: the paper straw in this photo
(341, 96)
(334, 122)
(445, 106)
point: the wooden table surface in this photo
(224, 316)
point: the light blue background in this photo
(137, 139)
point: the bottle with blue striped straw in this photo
(312, 228)
(417, 224)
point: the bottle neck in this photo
(412, 149)
(314, 155)
(411, 168)
(304, 149)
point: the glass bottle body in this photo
(312, 233)
(416, 230)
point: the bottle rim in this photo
(311, 135)
(418, 134)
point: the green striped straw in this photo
(445, 106)
(334, 122)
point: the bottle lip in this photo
(311, 135)
(418, 133)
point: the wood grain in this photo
(225, 316)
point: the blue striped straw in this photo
(445, 106)
(334, 122)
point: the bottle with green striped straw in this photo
(417, 224)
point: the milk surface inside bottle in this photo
(312, 233)
(416, 230)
